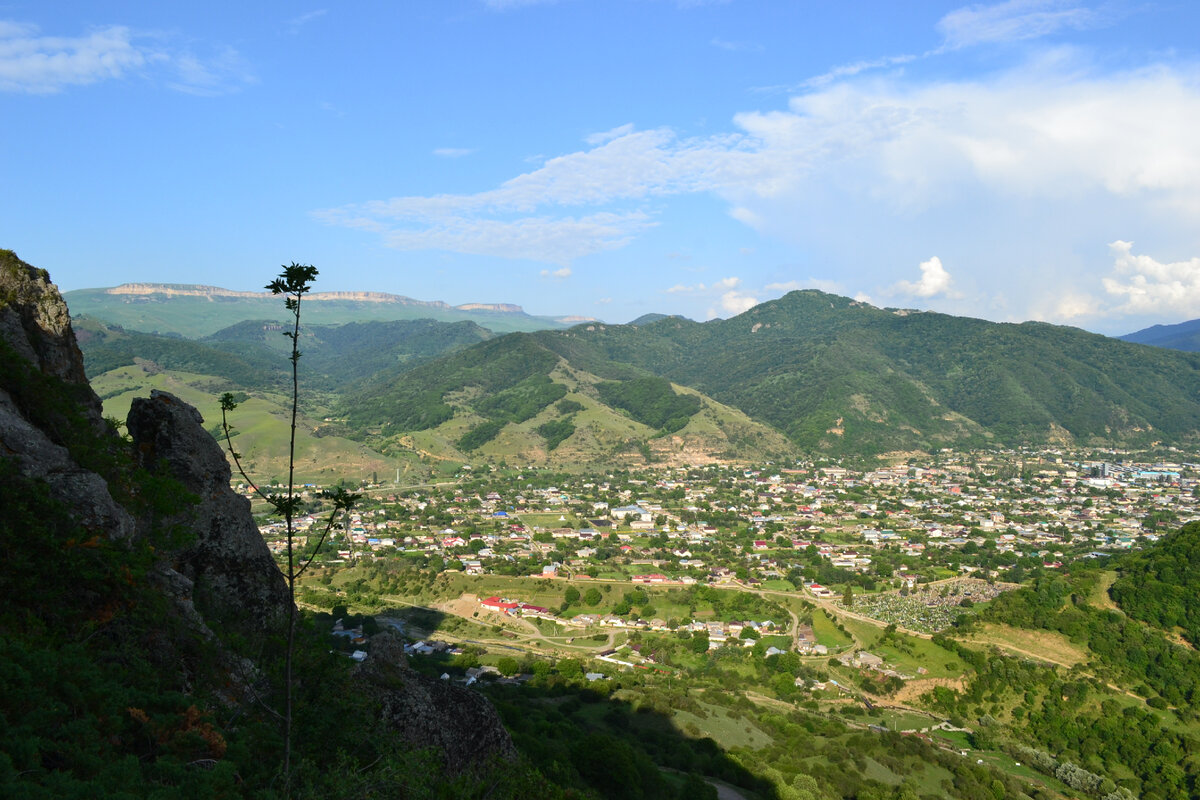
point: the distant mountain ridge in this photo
(197, 310)
(1181, 336)
(201, 290)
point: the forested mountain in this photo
(248, 353)
(1182, 336)
(837, 375)
(808, 371)
(520, 387)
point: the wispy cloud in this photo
(852, 69)
(607, 136)
(294, 24)
(453, 152)
(1015, 20)
(37, 64)
(976, 25)
(560, 273)
(557, 240)
(222, 72)
(736, 47)
(509, 5)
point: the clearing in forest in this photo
(1042, 645)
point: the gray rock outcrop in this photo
(35, 322)
(428, 712)
(41, 352)
(232, 571)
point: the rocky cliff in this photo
(232, 572)
(211, 570)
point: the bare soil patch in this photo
(912, 690)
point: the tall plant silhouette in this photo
(293, 283)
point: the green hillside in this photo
(249, 358)
(252, 354)
(261, 424)
(843, 376)
(835, 375)
(1161, 585)
(1129, 710)
(514, 398)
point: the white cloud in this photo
(934, 280)
(562, 272)
(38, 64)
(1147, 286)
(863, 170)
(1014, 20)
(734, 302)
(453, 152)
(724, 284)
(45, 64)
(1075, 305)
(727, 295)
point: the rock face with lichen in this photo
(35, 322)
(40, 357)
(233, 574)
(222, 576)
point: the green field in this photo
(826, 633)
(261, 426)
(906, 653)
(725, 730)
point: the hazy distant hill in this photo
(840, 376)
(1182, 336)
(196, 311)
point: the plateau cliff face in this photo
(212, 574)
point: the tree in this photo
(848, 597)
(571, 595)
(593, 597)
(294, 282)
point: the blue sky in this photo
(1028, 159)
